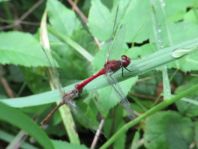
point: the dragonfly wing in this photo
(55, 82)
(123, 100)
(111, 41)
(117, 44)
(53, 73)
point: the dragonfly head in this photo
(125, 60)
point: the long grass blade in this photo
(55, 84)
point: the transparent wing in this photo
(123, 100)
(115, 48)
(116, 45)
(54, 83)
(53, 74)
(111, 41)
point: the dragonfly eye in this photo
(125, 60)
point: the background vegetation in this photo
(73, 37)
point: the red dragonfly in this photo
(110, 67)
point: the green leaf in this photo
(196, 133)
(139, 52)
(176, 9)
(100, 21)
(4, 0)
(62, 19)
(114, 122)
(184, 106)
(188, 106)
(119, 121)
(189, 31)
(86, 115)
(187, 63)
(191, 16)
(128, 13)
(136, 139)
(168, 130)
(20, 48)
(138, 28)
(17, 118)
(66, 145)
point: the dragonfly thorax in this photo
(125, 61)
(114, 65)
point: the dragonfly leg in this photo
(127, 69)
(48, 117)
(122, 72)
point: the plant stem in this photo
(153, 110)
(162, 38)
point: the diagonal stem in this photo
(153, 110)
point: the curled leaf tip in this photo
(179, 52)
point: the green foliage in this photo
(20, 48)
(63, 145)
(168, 130)
(196, 133)
(65, 22)
(22, 121)
(188, 106)
(61, 18)
(96, 24)
(121, 27)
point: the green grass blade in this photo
(17, 118)
(139, 66)
(9, 137)
(162, 39)
(55, 84)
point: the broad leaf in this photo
(138, 28)
(100, 21)
(139, 52)
(176, 9)
(20, 48)
(168, 130)
(62, 19)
